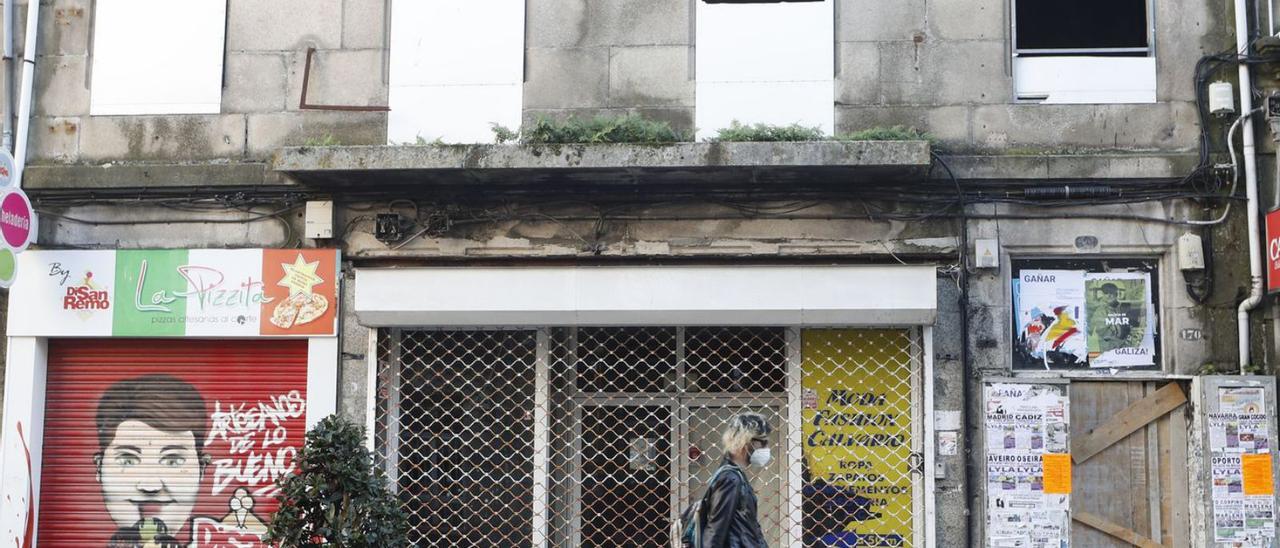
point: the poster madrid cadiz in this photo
(1028, 465)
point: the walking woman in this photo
(730, 503)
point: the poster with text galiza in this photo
(1119, 319)
(1050, 322)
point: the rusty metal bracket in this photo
(306, 84)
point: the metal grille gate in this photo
(599, 436)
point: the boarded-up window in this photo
(1134, 487)
(1086, 314)
(151, 58)
(457, 66)
(765, 63)
(1094, 51)
(1100, 464)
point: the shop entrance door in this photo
(639, 467)
(626, 475)
(702, 455)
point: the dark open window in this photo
(1081, 25)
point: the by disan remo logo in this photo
(86, 296)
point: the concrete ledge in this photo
(143, 176)
(1102, 165)
(712, 162)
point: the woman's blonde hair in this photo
(743, 428)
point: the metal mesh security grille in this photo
(600, 436)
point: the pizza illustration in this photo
(299, 309)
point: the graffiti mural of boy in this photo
(151, 458)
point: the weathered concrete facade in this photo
(107, 182)
(896, 65)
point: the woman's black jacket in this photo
(731, 520)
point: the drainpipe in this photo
(6, 136)
(24, 101)
(1251, 188)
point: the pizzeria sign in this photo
(176, 293)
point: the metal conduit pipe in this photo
(6, 140)
(24, 100)
(1251, 188)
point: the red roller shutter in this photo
(146, 476)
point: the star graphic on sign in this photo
(300, 276)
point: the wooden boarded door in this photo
(1128, 444)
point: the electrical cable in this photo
(967, 373)
(1235, 170)
(93, 222)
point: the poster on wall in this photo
(1118, 320)
(1243, 492)
(170, 452)
(1028, 465)
(1050, 306)
(857, 438)
(1080, 317)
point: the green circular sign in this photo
(8, 267)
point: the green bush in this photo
(768, 132)
(737, 132)
(895, 133)
(631, 128)
(338, 499)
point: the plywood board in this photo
(1127, 421)
(1114, 530)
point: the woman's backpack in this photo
(686, 531)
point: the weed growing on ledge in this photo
(895, 133)
(327, 141)
(738, 131)
(631, 128)
(638, 130)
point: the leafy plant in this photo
(327, 141)
(503, 134)
(338, 499)
(738, 131)
(895, 133)
(1255, 369)
(419, 140)
(630, 128)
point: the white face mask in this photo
(761, 456)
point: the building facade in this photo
(1013, 331)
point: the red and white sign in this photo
(195, 293)
(1273, 251)
(18, 222)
